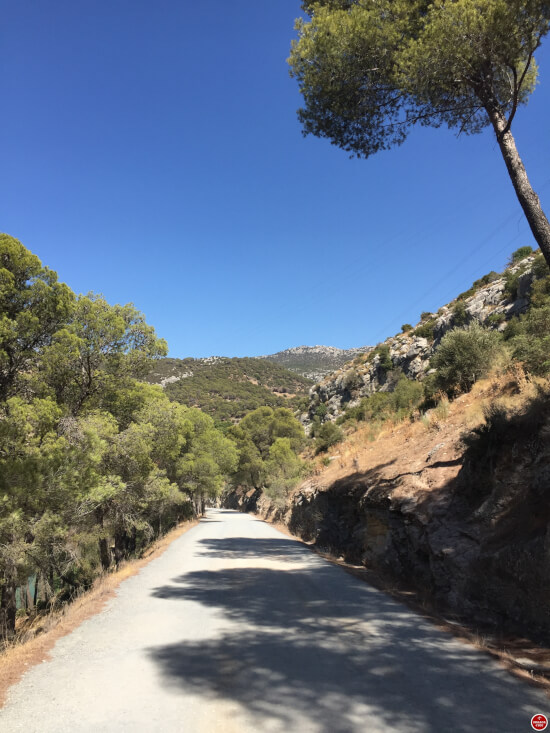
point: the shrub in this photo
(379, 406)
(511, 282)
(321, 411)
(520, 254)
(496, 318)
(426, 330)
(540, 267)
(351, 380)
(464, 356)
(531, 339)
(406, 327)
(383, 352)
(486, 279)
(425, 315)
(406, 395)
(540, 292)
(466, 294)
(328, 435)
(460, 314)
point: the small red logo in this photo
(539, 722)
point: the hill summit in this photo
(314, 362)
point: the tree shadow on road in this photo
(311, 648)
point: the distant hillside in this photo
(492, 301)
(229, 388)
(314, 362)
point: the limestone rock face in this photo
(410, 353)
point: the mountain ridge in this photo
(314, 362)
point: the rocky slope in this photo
(464, 521)
(314, 362)
(492, 303)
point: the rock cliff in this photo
(491, 303)
(463, 521)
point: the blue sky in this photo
(150, 151)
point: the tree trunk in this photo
(8, 609)
(528, 199)
(104, 552)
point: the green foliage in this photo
(520, 254)
(284, 470)
(93, 463)
(321, 411)
(539, 267)
(425, 315)
(511, 283)
(328, 435)
(460, 314)
(464, 356)
(368, 72)
(406, 327)
(380, 406)
(529, 335)
(466, 294)
(351, 379)
(426, 330)
(255, 437)
(495, 319)
(227, 389)
(383, 352)
(33, 306)
(486, 279)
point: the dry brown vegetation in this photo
(420, 458)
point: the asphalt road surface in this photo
(237, 628)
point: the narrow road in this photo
(237, 628)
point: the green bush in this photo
(406, 327)
(496, 318)
(351, 380)
(406, 395)
(520, 254)
(328, 435)
(466, 294)
(383, 351)
(464, 356)
(321, 411)
(540, 267)
(511, 282)
(380, 406)
(486, 279)
(531, 342)
(426, 330)
(460, 314)
(425, 315)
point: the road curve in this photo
(237, 628)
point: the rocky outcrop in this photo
(410, 352)
(468, 526)
(314, 362)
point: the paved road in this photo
(237, 628)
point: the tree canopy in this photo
(369, 70)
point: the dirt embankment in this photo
(458, 509)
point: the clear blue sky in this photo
(150, 151)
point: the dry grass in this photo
(38, 638)
(414, 446)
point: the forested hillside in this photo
(227, 388)
(95, 463)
